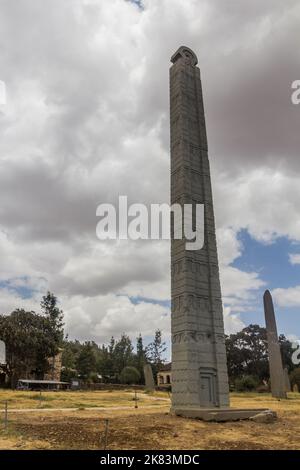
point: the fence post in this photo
(6, 416)
(135, 398)
(106, 433)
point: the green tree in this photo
(130, 375)
(29, 343)
(73, 353)
(105, 363)
(247, 383)
(141, 357)
(155, 351)
(122, 354)
(71, 350)
(50, 309)
(295, 377)
(247, 353)
(286, 348)
(70, 353)
(86, 361)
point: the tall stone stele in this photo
(149, 379)
(278, 386)
(199, 369)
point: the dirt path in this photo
(88, 408)
(100, 408)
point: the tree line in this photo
(248, 359)
(117, 362)
(32, 338)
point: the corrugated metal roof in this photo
(48, 382)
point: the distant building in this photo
(164, 376)
(29, 373)
(47, 385)
(55, 367)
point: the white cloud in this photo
(100, 317)
(10, 301)
(239, 287)
(289, 297)
(293, 338)
(294, 258)
(262, 200)
(232, 322)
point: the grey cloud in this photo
(87, 120)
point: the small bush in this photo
(295, 377)
(247, 383)
(164, 388)
(93, 378)
(130, 375)
(263, 389)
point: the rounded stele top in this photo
(185, 53)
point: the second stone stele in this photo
(149, 379)
(199, 370)
(277, 374)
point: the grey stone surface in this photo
(199, 369)
(265, 417)
(149, 379)
(275, 360)
(287, 381)
(222, 414)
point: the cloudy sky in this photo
(87, 120)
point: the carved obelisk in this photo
(275, 360)
(199, 369)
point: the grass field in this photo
(77, 399)
(69, 424)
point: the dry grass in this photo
(73, 399)
(149, 427)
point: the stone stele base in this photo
(218, 414)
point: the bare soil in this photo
(154, 428)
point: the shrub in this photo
(165, 388)
(295, 377)
(68, 374)
(130, 375)
(247, 383)
(93, 377)
(263, 389)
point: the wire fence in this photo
(4, 415)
